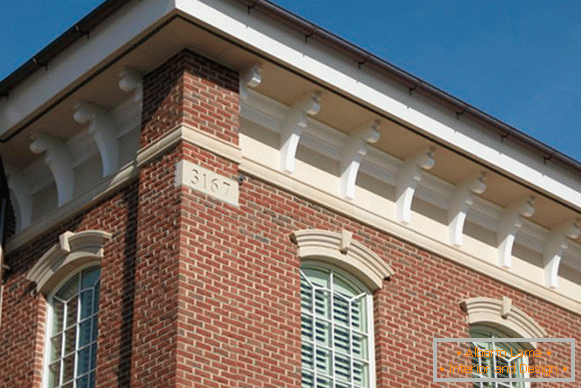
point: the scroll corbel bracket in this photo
(57, 157)
(291, 129)
(131, 81)
(462, 199)
(353, 152)
(555, 246)
(510, 221)
(102, 127)
(21, 192)
(408, 177)
(249, 78)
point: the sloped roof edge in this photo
(312, 31)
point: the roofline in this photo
(310, 31)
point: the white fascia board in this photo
(332, 69)
(68, 67)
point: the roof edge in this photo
(312, 31)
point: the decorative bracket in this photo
(58, 159)
(102, 127)
(510, 221)
(250, 77)
(555, 246)
(22, 193)
(292, 127)
(131, 80)
(462, 199)
(353, 152)
(408, 176)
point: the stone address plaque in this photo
(207, 182)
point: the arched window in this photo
(338, 276)
(503, 363)
(337, 335)
(497, 318)
(72, 331)
(68, 274)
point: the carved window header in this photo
(340, 250)
(73, 251)
(499, 313)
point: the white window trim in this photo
(74, 250)
(500, 314)
(341, 251)
(369, 310)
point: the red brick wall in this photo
(199, 293)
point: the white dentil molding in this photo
(58, 159)
(555, 246)
(353, 152)
(510, 221)
(103, 128)
(327, 141)
(407, 180)
(462, 198)
(291, 129)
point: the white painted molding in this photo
(408, 176)
(502, 315)
(73, 251)
(291, 128)
(250, 77)
(555, 246)
(58, 159)
(131, 81)
(104, 131)
(339, 249)
(21, 191)
(353, 152)
(510, 221)
(462, 199)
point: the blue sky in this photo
(519, 61)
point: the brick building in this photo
(221, 194)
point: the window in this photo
(502, 364)
(337, 335)
(72, 332)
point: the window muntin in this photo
(337, 336)
(72, 335)
(496, 360)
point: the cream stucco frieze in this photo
(353, 152)
(462, 199)
(21, 192)
(291, 129)
(102, 127)
(555, 246)
(510, 221)
(58, 158)
(250, 77)
(408, 176)
(131, 81)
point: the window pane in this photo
(72, 311)
(73, 332)
(58, 310)
(336, 334)
(86, 303)
(69, 289)
(90, 277)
